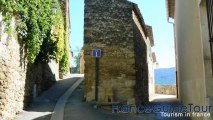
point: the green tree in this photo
(77, 62)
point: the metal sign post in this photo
(97, 79)
(96, 53)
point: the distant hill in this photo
(165, 76)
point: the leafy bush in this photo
(42, 32)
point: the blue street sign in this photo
(96, 53)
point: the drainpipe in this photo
(177, 81)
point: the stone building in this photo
(151, 60)
(82, 62)
(118, 29)
(192, 20)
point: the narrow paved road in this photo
(65, 101)
(77, 109)
(42, 107)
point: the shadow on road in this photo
(77, 109)
(45, 103)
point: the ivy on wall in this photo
(64, 67)
(39, 29)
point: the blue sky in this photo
(154, 14)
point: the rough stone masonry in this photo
(17, 77)
(110, 25)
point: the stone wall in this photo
(166, 89)
(141, 66)
(144, 40)
(43, 75)
(82, 62)
(12, 75)
(17, 77)
(109, 26)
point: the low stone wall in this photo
(165, 89)
(42, 75)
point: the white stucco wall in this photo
(207, 55)
(206, 48)
(193, 51)
(151, 70)
(190, 61)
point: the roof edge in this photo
(170, 8)
(140, 18)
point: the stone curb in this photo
(58, 112)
